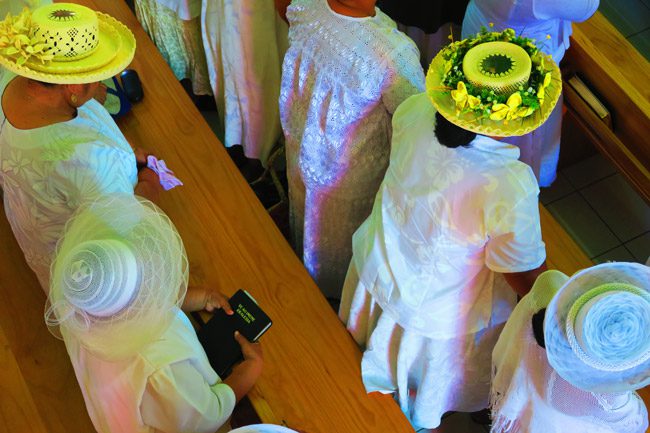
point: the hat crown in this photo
(70, 30)
(101, 277)
(609, 327)
(499, 66)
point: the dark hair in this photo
(42, 83)
(538, 327)
(450, 135)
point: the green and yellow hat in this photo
(494, 83)
(65, 43)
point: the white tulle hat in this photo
(119, 273)
(597, 328)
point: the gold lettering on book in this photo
(245, 314)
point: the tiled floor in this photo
(605, 216)
(632, 19)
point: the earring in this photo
(73, 99)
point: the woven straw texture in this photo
(113, 54)
(441, 98)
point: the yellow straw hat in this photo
(494, 83)
(65, 43)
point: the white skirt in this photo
(428, 376)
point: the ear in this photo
(76, 89)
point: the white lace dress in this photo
(46, 173)
(549, 23)
(245, 41)
(424, 294)
(342, 79)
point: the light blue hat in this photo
(597, 328)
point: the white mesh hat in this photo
(119, 272)
(597, 328)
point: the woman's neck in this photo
(353, 8)
(29, 105)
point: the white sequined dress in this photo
(342, 78)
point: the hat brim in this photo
(113, 54)
(558, 348)
(440, 97)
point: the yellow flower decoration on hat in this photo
(17, 42)
(511, 109)
(462, 98)
(541, 92)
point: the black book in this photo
(217, 336)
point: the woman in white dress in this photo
(175, 27)
(345, 72)
(453, 234)
(245, 41)
(119, 281)
(573, 352)
(549, 23)
(58, 146)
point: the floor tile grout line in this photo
(557, 199)
(610, 250)
(637, 237)
(591, 182)
(637, 33)
(599, 217)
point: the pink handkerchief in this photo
(166, 176)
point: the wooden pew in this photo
(40, 392)
(18, 411)
(617, 73)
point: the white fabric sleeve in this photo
(95, 169)
(515, 239)
(404, 76)
(575, 10)
(178, 399)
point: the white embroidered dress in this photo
(424, 293)
(535, 19)
(342, 79)
(528, 396)
(46, 173)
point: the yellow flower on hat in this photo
(462, 98)
(15, 40)
(510, 110)
(541, 92)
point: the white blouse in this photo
(444, 223)
(168, 387)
